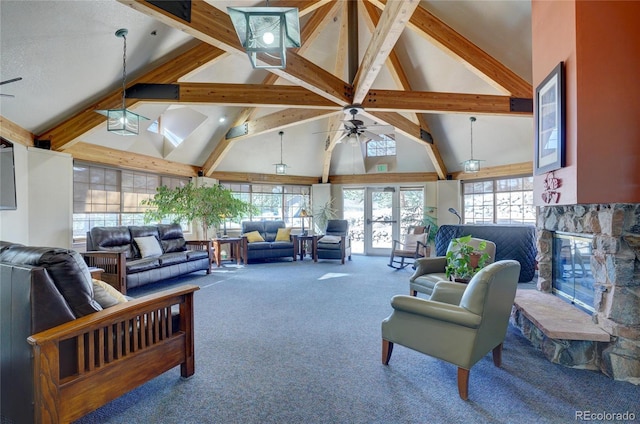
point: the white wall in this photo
(50, 198)
(14, 225)
(449, 196)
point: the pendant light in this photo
(281, 168)
(122, 121)
(266, 32)
(471, 165)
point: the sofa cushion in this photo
(283, 234)
(172, 258)
(259, 245)
(254, 237)
(194, 255)
(249, 226)
(330, 239)
(271, 229)
(142, 231)
(148, 246)
(106, 295)
(139, 265)
(172, 238)
(112, 239)
(282, 245)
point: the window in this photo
(273, 202)
(386, 146)
(502, 201)
(110, 197)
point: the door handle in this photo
(384, 221)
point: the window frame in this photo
(488, 199)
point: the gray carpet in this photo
(299, 342)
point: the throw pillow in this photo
(148, 246)
(284, 234)
(330, 239)
(253, 236)
(106, 295)
(411, 241)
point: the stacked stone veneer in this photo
(615, 266)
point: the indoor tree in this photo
(208, 205)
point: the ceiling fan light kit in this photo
(471, 165)
(266, 32)
(122, 121)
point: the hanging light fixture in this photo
(471, 165)
(281, 168)
(122, 121)
(266, 32)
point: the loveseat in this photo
(137, 255)
(65, 352)
(267, 240)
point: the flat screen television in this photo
(7, 176)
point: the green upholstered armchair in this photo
(431, 270)
(459, 332)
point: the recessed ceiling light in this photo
(222, 119)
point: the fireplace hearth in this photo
(613, 233)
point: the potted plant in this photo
(207, 205)
(465, 260)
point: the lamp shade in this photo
(122, 121)
(471, 165)
(266, 32)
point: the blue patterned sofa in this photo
(516, 242)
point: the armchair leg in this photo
(463, 383)
(497, 355)
(387, 348)
(414, 292)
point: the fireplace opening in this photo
(571, 273)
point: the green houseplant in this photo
(465, 260)
(208, 205)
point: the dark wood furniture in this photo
(235, 247)
(306, 244)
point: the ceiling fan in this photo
(7, 82)
(355, 130)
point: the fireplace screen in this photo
(572, 277)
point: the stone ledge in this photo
(556, 318)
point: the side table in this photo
(302, 245)
(234, 247)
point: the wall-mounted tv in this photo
(7, 176)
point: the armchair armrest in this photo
(114, 266)
(117, 349)
(448, 292)
(436, 310)
(206, 245)
(428, 266)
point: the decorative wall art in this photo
(549, 121)
(551, 184)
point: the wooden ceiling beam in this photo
(63, 135)
(213, 26)
(511, 170)
(391, 24)
(249, 177)
(124, 159)
(402, 81)
(13, 132)
(281, 120)
(432, 102)
(384, 178)
(250, 95)
(451, 42)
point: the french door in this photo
(381, 220)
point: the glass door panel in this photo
(381, 219)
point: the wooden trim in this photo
(512, 170)
(384, 178)
(15, 133)
(248, 177)
(129, 160)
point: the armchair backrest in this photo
(490, 249)
(490, 294)
(337, 227)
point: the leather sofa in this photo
(117, 251)
(269, 248)
(64, 353)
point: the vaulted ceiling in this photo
(423, 67)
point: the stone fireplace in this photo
(614, 264)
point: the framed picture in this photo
(549, 118)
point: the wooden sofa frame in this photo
(114, 264)
(118, 349)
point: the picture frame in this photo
(549, 122)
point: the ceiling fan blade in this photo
(342, 137)
(372, 136)
(380, 129)
(7, 95)
(10, 80)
